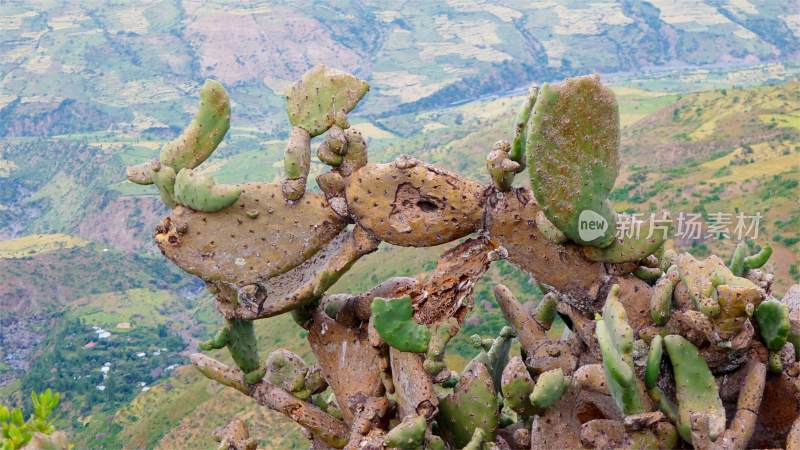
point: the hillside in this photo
(89, 66)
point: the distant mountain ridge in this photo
(152, 54)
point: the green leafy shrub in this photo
(15, 432)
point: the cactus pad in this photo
(516, 386)
(240, 339)
(204, 133)
(408, 434)
(323, 97)
(630, 247)
(550, 386)
(772, 317)
(473, 404)
(615, 337)
(200, 192)
(409, 203)
(259, 237)
(573, 155)
(394, 323)
(696, 389)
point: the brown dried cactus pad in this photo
(256, 238)
(413, 204)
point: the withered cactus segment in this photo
(235, 436)
(410, 203)
(239, 248)
(303, 285)
(322, 425)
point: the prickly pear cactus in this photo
(517, 387)
(615, 337)
(394, 323)
(195, 144)
(573, 157)
(772, 317)
(473, 404)
(408, 434)
(204, 133)
(550, 386)
(695, 387)
(630, 247)
(323, 97)
(201, 193)
(238, 336)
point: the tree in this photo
(267, 249)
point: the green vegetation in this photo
(15, 432)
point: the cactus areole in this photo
(679, 346)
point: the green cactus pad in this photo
(164, 179)
(477, 440)
(546, 310)
(550, 386)
(737, 260)
(772, 318)
(759, 259)
(442, 333)
(648, 274)
(288, 371)
(615, 338)
(204, 133)
(661, 299)
(495, 353)
(516, 385)
(695, 387)
(408, 434)
(473, 404)
(240, 339)
(653, 367)
(393, 319)
(201, 193)
(322, 95)
(517, 153)
(573, 155)
(629, 248)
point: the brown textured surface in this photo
(447, 291)
(350, 363)
(511, 221)
(413, 204)
(415, 394)
(233, 247)
(779, 408)
(559, 426)
(303, 284)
